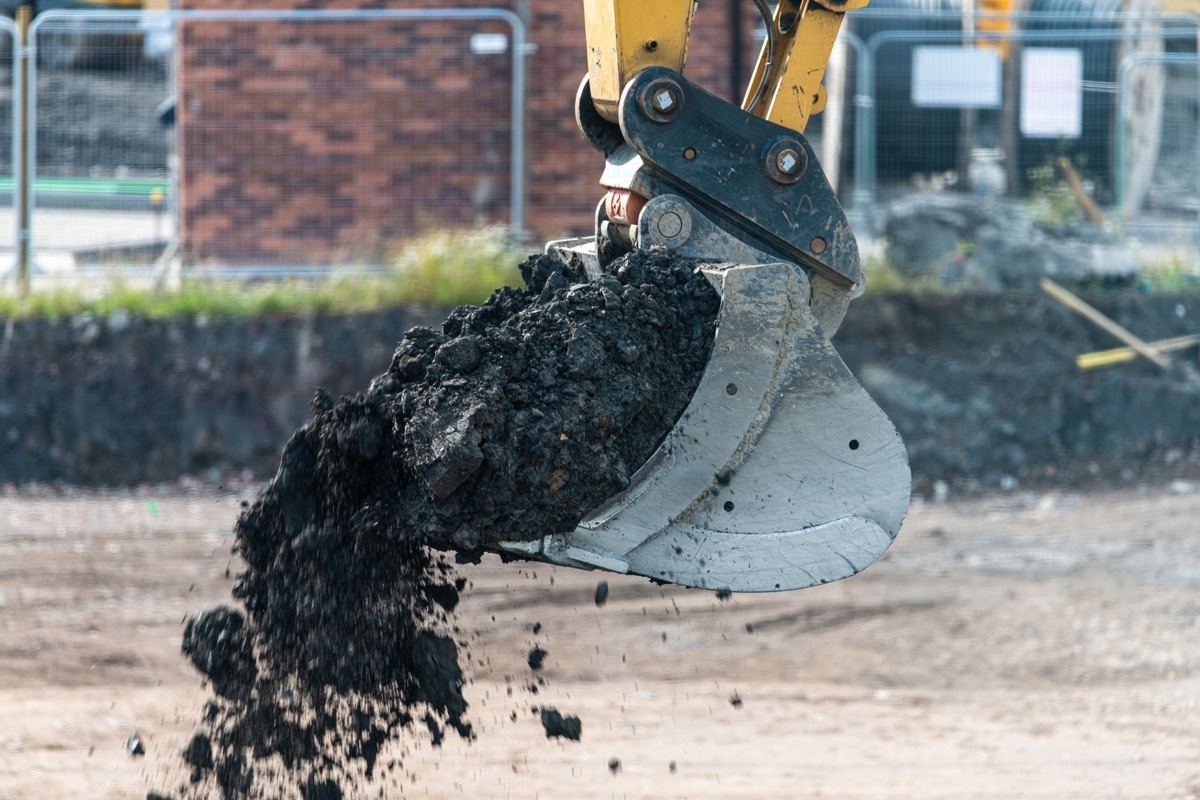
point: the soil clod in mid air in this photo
(510, 422)
(562, 726)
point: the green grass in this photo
(1175, 273)
(884, 278)
(447, 268)
(444, 268)
(456, 267)
(1051, 201)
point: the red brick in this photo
(278, 163)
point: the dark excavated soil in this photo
(537, 657)
(510, 422)
(561, 726)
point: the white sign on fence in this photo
(1051, 93)
(956, 77)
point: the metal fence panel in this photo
(10, 67)
(1006, 141)
(296, 139)
(1164, 200)
(100, 158)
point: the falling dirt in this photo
(558, 725)
(509, 423)
(537, 657)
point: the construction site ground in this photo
(1021, 645)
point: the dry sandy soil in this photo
(1022, 646)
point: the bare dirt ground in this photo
(1021, 646)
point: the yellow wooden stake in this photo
(1079, 306)
(1123, 355)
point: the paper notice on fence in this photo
(1051, 93)
(956, 77)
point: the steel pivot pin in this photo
(786, 161)
(661, 99)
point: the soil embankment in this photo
(983, 387)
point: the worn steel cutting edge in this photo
(782, 473)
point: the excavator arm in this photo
(627, 36)
(782, 472)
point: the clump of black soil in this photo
(557, 725)
(537, 657)
(509, 423)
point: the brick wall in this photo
(303, 144)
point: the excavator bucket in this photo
(782, 473)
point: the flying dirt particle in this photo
(198, 753)
(537, 628)
(216, 642)
(321, 790)
(601, 593)
(749, 627)
(724, 594)
(736, 700)
(436, 735)
(536, 658)
(672, 767)
(134, 746)
(557, 725)
(614, 765)
(199, 756)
